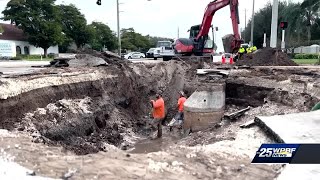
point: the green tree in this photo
(310, 14)
(74, 25)
(39, 19)
(262, 22)
(292, 14)
(315, 29)
(153, 40)
(134, 41)
(102, 37)
(298, 32)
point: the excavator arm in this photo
(231, 43)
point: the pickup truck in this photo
(166, 50)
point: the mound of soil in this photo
(266, 57)
(109, 57)
(88, 58)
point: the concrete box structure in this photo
(205, 108)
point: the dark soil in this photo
(266, 57)
(117, 105)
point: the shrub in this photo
(306, 56)
(23, 56)
(16, 58)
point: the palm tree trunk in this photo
(309, 34)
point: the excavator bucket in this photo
(228, 41)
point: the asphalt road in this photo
(21, 67)
(146, 60)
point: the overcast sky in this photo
(161, 17)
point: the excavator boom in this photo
(231, 42)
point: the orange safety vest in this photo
(158, 109)
(181, 103)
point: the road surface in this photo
(146, 60)
(21, 67)
(14, 67)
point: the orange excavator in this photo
(195, 44)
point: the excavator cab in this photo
(194, 31)
(202, 45)
(199, 33)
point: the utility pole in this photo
(274, 24)
(252, 23)
(245, 23)
(118, 24)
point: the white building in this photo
(13, 42)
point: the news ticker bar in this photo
(288, 154)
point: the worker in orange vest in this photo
(158, 113)
(179, 117)
(181, 102)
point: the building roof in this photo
(11, 32)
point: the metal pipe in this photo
(252, 24)
(245, 24)
(264, 40)
(283, 43)
(118, 24)
(274, 24)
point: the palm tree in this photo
(292, 14)
(311, 12)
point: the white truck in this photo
(165, 50)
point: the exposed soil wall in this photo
(85, 116)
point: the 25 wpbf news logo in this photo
(275, 152)
(288, 154)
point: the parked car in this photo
(134, 55)
(150, 53)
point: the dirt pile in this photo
(87, 58)
(109, 57)
(266, 57)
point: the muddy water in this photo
(148, 145)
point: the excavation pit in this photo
(68, 113)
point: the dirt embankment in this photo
(84, 115)
(85, 108)
(266, 57)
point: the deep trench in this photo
(85, 134)
(116, 109)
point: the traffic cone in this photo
(223, 60)
(231, 60)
